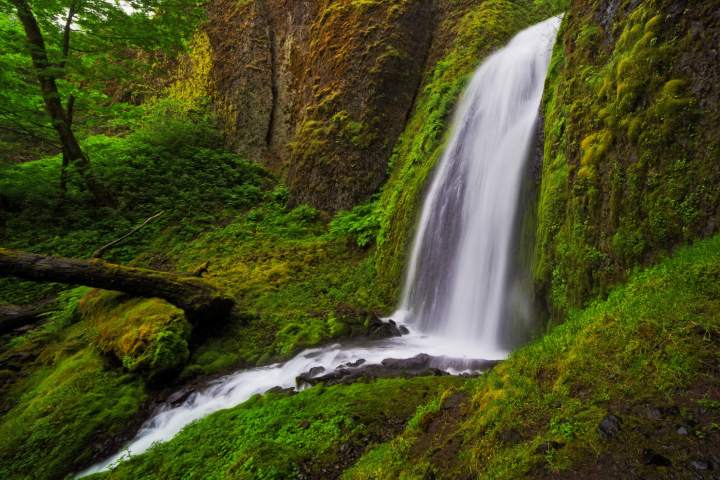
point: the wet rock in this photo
(419, 365)
(379, 329)
(315, 371)
(181, 396)
(354, 364)
(418, 361)
(700, 465)
(610, 427)
(304, 378)
(650, 457)
(388, 368)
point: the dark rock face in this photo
(378, 329)
(181, 396)
(307, 377)
(319, 90)
(650, 457)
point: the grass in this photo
(314, 433)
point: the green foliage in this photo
(300, 284)
(114, 50)
(67, 407)
(280, 437)
(170, 162)
(362, 223)
(651, 340)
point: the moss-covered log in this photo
(196, 296)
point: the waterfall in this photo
(460, 279)
(462, 283)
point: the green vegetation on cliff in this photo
(631, 146)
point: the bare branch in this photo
(102, 249)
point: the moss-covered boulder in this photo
(71, 412)
(631, 151)
(148, 336)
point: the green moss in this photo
(650, 343)
(148, 336)
(194, 84)
(627, 170)
(69, 410)
(278, 436)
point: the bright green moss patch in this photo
(652, 344)
(70, 410)
(315, 433)
(148, 336)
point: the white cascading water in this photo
(459, 284)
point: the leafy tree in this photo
(87, 56)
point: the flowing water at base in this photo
(232, 390)
(461, 287)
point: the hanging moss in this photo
(194, 83)
(630, 164)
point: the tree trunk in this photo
(197, 297)
(53, 104)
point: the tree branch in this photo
(102, 249)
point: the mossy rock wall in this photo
(631, 150)
(363, 66)
(319, 90)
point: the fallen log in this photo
(195, 296)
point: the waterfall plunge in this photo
(462, 279)
(461, 271)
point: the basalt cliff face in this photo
(320, 90)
